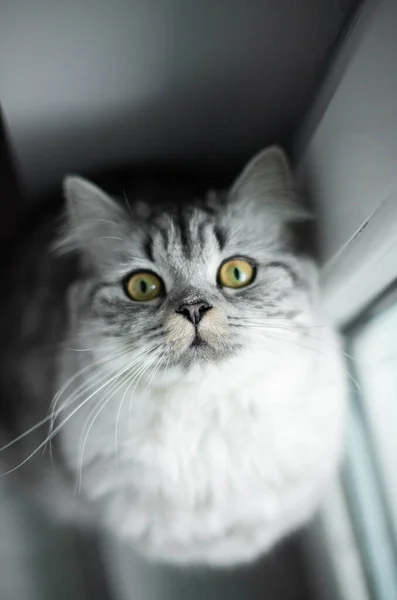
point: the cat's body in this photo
(201, 438)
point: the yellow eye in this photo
(236, 273)
(144, 286)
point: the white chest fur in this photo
(216, 465)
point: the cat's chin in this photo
(202, 353)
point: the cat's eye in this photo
(236, 273)
(144, 286)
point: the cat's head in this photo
(193, 284)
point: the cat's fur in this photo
(204, 454)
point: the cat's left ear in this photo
(95, 223)
(267, 181)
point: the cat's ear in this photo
(86, 201)
(95, 223)
(267, 181)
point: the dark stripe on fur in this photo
(164, 235)
(220, 235)
(183, 225)
(201, 233)
(148, 248)
(282, 265)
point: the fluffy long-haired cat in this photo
(179, 361)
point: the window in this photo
(371, 468)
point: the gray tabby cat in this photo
(182, 365)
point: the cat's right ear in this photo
(267, 186)
(95, 223)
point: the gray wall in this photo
(352, 157)
(88, 84)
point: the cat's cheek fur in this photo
(213, 327)
(217, 467)
(179, 333)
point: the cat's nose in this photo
(194, 312)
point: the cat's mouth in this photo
(199, 351)
(198, 341)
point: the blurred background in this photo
(185, 93)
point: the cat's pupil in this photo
(236, 273)
(143, 286)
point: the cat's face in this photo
(192, 285)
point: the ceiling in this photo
(88, 85)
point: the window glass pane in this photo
(375, 353)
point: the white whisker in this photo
(62, 424)
(302, 330)
(95, 413)
(93, 365)
(37, 425)
(277, 336)
(25, 433)
(138, 373)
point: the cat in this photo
(179, 357)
